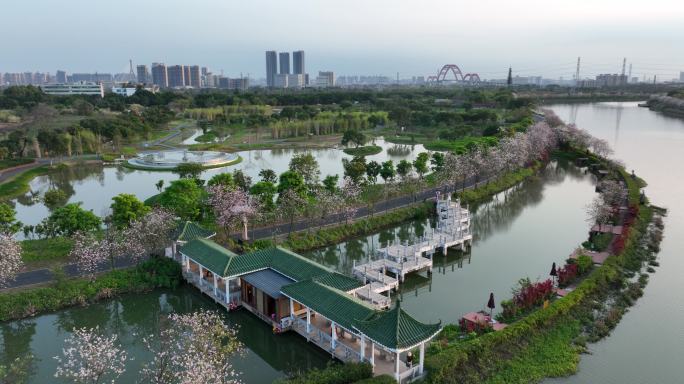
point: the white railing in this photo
(410, 374)
(348, 353)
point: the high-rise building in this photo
(176, 75)
(271, 67)
(142, 74)
(298, 66)
(681, 77)
(194, 76)
(284, 58)
(160, 75)
(186, 75)
(325, 79)
(61, 77)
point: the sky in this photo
(362, 37)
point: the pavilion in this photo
(291, 292)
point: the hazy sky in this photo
(349, 37)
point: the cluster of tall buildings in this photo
(186, 76)
(280, 76)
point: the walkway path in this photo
(41, 276)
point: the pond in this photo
(518, 234)
(95, 185)
(648, 344)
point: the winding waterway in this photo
(647, 346)
(515, 238)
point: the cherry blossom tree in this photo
(89, 253)
(89, 357)
(600, 147)
(232, 207)
(149, 234)
(351, 191)
(614, 194)
(192, 348)
(10, 259)
(598, 211)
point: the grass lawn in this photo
(363, 151)
(19, 185)
(43, 253)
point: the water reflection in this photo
(268, 356)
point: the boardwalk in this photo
(452, 230)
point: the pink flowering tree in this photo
(89, 357)
(598, 211)
(192, 348)
(89, 253)
(149, 234)
(232, 207)
(350, 192)
(10, 259)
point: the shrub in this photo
(333, 374)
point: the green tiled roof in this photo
(332, 303)
(396, 329)
(211, 255)
(338, 281)
(189, 230)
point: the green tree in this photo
(404, 168)
(264, 191)
(54, 198)
(355, 168)
(353, 136)
(184, 197)
(330, 183)
(225, 179)
(268, 175)
(437, 161)
(509, 80)
(189, 170)
(8, 222)
(307, 166)
(373, 169)
(160, 185)
(67, 220)
(126, 209)
(388, 172)
(242, 181)
(421, 163)
(290, 180)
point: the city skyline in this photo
(479, 38)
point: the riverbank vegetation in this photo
(64, 292)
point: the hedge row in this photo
(476, 360)
(333, 374)
(154, 273)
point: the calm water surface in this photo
(648, 344)
(94, 185)
(518, 234)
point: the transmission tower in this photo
(577, 73)
(630, 72)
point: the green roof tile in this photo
(332, 303)
(211, 255)
(396, 329)
(189, 230)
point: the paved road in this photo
(40, 276)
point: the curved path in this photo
(44, 275)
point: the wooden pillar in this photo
(396, 366)
(308, 321)
(422, 358)
(372, 355)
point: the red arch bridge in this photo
(458, 76)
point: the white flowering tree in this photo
(614, 194)
(598, 211)
(192, 348)
(232, 207)
(89, 357)
(351, 191)
(10, 259)
(89, 253)
(149, 234)
(600, 147)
